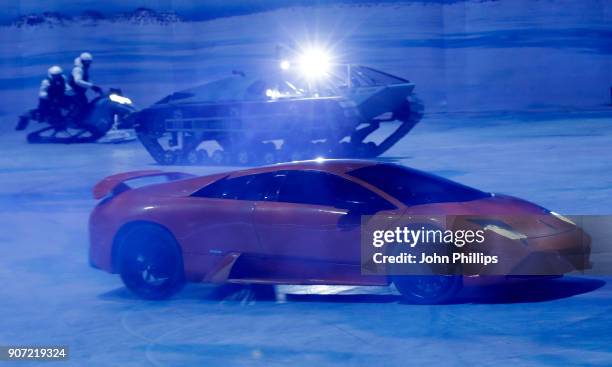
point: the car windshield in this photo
(413, 187)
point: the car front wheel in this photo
(150, 262)
(428, 289)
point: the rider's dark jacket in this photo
(53, 88)
(79, 78)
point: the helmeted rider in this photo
(52, 93)
(80, 81)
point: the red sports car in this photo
(299, 223)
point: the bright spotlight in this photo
(319, 159)
(314, 63)
(285, 64)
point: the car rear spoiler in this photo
(116, 183)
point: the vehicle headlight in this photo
(314, 63)
(285, 65)
(561, 217)
(119, 99)
(505, 232)
(273, 93)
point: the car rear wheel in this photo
(428, 289)
(150, 263)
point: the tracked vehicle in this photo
(295, 112)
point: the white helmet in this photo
(86, 56)
(54, 70)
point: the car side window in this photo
(261, 187)
(350, 195)
(251, 187)
(321, 188)
(305, 187)
(270, 185)
(225, 188)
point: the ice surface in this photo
(50, 294)
(560, 160)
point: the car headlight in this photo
(561, 217)
(505, 232)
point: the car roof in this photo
(337, 166)
(188, 186)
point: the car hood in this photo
(500, 210)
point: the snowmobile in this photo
(102, 120)
(280, 116)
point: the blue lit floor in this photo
(51, 296)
